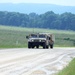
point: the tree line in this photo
(49, 20)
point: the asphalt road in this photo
(23, 61)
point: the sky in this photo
(57, 2)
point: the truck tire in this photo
(29, 46)
(37, 46)
(51, 46)
(47, 46)
(44, 46)
(32, 46)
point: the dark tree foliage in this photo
(49, 20)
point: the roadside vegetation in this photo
(14, 37)
(69, 70)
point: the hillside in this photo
(37, 8)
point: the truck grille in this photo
(36, 40)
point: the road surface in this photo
(23, 61)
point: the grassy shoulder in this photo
(15, 37)
(69, 70)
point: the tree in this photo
(50, 20)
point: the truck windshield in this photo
(41, 36)
(33, 36)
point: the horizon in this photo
(35, 3)
(55, 2)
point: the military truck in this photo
(45, 40)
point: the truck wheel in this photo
(51, 46)
(29, 46)
(47, 47)
(32, 46)
(44, 46)
(37, 46)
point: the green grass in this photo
(69, 70)
(11, 37)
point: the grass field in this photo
(11, 37)
(69, 70)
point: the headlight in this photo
(32, 40)
(39, 40)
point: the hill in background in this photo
(37, 8)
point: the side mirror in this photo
(27, 37)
